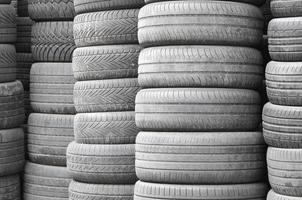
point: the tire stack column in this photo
(50, 125)
(199, 110)
(101, 159)
(282, 116)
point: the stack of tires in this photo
(282, 116)
(199, 110)
(101, 160)
(11, 108)
(50, 125)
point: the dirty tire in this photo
(284, 171)
(24, 62)
(105, 62)
(200, 66)
(80, 191)
(51, 10)
(144, 190)
(23, 43)
(8, 63)
(106, 27)
(10, 187)
(286, 8)
(105, 128)
(102, 164)
(8, 29)
(11, 151)
(197, 109)
(105, 95)
(57, 48)
(200, 23)
(45, 182)
(257, 2)
(48, 137)
(51, 88)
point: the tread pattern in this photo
(8, 63)
(254, 2)
(274, 196)
(286, 8)
(10, 188)
(8, 28)
(24, 62)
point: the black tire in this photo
(48, 10)
(275, 196)
(105, 95)
(8, 28)
(144, 191)
(8, 63)
(282, 126)
(10, 187)
(80, 191)
(105, 128)
(24, 62)
(57, 48)
(286, 8)
(23, 43)
(106, 27)
(105, 62)
(51, 88)
(48, 137)
(200, 66)
(284, 171)
(198, 109)
(45, 182)
(5, 1)
(22, 8)
(102, 164)
(257, 2)
(200, 23)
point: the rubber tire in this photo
(105, 128)
(8, 29)
(10, 188)
(22, 8)
(288, 8)
(5, 1)
(275, 196)
(102, 164)
(48, 137)
(198, 109)
(200, 66)
(200, 23)
(80, 191)
(144, 191)
(57, 48)
(49, 10)
(45, 182)
(106, 27)
(51, 88)
(105, 95)
(284, 171)
(105, 62)
(23, 43)
(24, 62)
(8, 63)
(257, 2)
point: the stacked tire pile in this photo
(11, 108)
(282, 116)
(199, 110)
(50, 125)
(101, 160)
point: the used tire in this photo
(200, 66)
(48, 137)
(80, 191)
(22, 8)
(200, 23)
(24, 62)
(198, 109)
(52, 41)
(274, 196)
(106, 27)
(10, 187)
(105, 62)
(23, 43)
(286, 8)
(51, 88)
(284, 171)
(102, 164)
(8, 63)
(105, 128)
(257, 2)
(105, 95)
(8, 28)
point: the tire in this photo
(80, 191)
(22, 8)
(200, 66)
(48, 137)
(51, 88)
(11, 105)
(101, 164)
(48, 10)
(59, 47)
(105, 128)
(197, 109)
(284, 171)
(266, 11)
(8, 63)
(284, 42)
(105, 95)
(286, 8)
(8, 28)
(24, 62)
(10, 188)
(143, 191)
(200, 23)
(281, 126)
(274, 196)
(257, 2)
(5, 1)
(107, 27)
(23, 43)
(105, 62)
(11, 152)
(45, 182)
